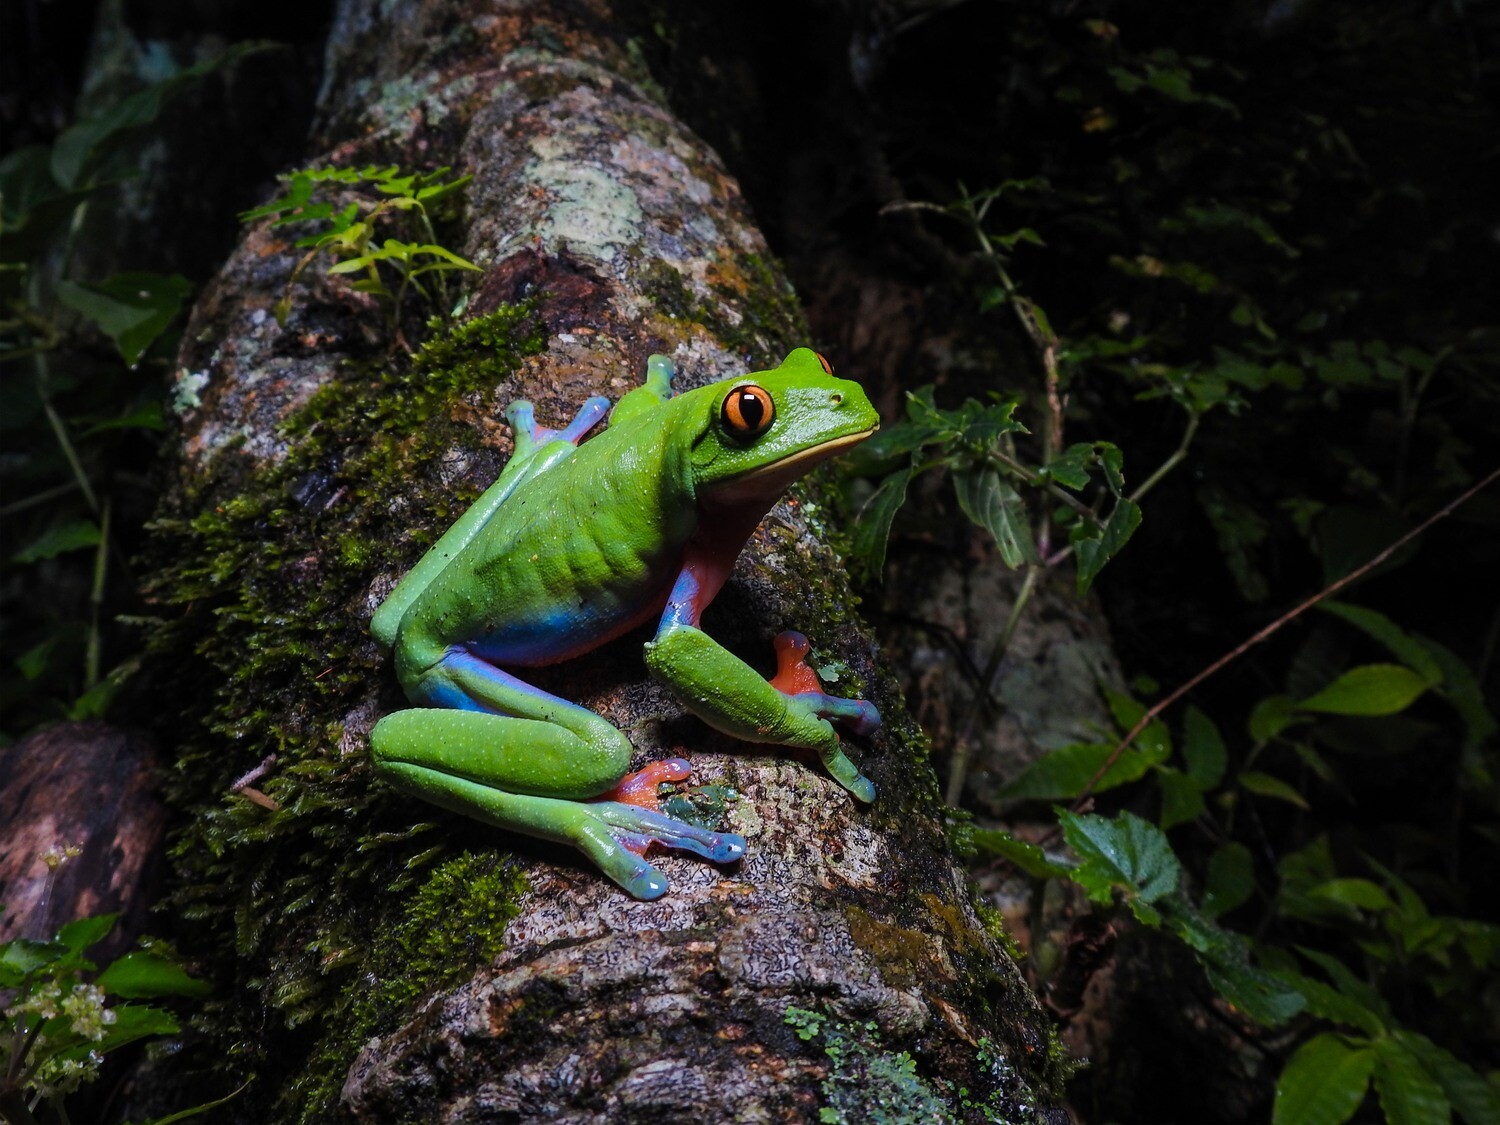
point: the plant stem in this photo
(96, 601)
(960, 764)
(60, 429)
(38, 498)
(1035, 480)
(1188, 433)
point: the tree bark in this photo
(379, 956)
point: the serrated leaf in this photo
(1323, 1083)
(1127, 853)
(1371, 689)
(1476, 1100)
(1097, 545)
(1408, 1094)
(1229, 881)
(1061, 774)
(1027, 857)
(1328, 1003)
(70, 535)
(994, 505)
(1264, 785)
(872, 528)
(1203, 751)
(141, 976)
(1181, 799)
(1225, 957)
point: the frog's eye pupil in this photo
(748, 412)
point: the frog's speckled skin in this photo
(576, 544)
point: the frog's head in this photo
(766, 429)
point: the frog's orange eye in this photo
(828, 367)
(748, 412)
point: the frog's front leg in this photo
(512, 755)
(721, 689)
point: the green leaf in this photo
(1225, 957)
(81, 933)
(1027, 857)
(70, 535)
(132, 309)
(1270, 717)
(1476, 1100)
(995, 506)
(146, 416)
(1323, 1083)
(1348, 984)
(1112, 461)
(1070, 468)
(141, 975)
(1462, 691)
(1181, 799)
(1061, 774)
(1328, 1003)
(136, 1021)
(22, 956)
(1354, 892)
(1127, 853)
(1264, 785)
(1408, 1094)
(1203, 749)
(1371, 689)
(1229, 881)
(872, 529)
(1406, 648)
(1096, 545)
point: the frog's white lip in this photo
(813, 453)
(771, 479)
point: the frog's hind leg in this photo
(531, 768)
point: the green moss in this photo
(266, 585)
(865, 1082)
(453, 923)
(868, 1082)
(749, 285)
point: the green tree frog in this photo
(577, 543)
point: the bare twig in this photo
(1240, 649)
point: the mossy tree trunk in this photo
(403, 964)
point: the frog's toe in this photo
(858, 716)
(630, 825)
(641, 880)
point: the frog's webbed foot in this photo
(632, 829)
(794, 678)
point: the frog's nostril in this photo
(836, 399)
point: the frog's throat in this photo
(769, 481)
